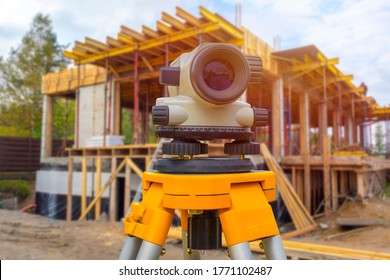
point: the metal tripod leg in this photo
(149, 251)
(130, 248)
(273, 248)
(193, 255)
(240, 251)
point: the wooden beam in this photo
(127, 196)
(335, 194)
(305, 146)
(132, 33)
(83, 184)
(98, 180)
(310, 66)
(225, 25)
(96, 44)
(277, 118)
(117, 109)
(148, 44)
(113, 192)
(48, 125)
(69, 192)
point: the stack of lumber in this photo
(301, 218)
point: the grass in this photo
(14, 188)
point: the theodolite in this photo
(215, 196)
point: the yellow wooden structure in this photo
(302, 88)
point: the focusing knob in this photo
(242, 148)
(256, 68)
(179, 147)
(160, 115)
(261, 117)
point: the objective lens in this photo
(218, 74)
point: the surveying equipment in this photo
(214, 195)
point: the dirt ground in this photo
(30, 236)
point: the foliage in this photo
(14, 188)
(127, 125)
(21, 77)
(379, 147)
(387, 189)
(63, 118)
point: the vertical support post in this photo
(117, 109)
(277, 118)
(136, 101)
(83, 184)
(289, 120)
(69, 193)
(47, 122)
(361, 190)
(105, 106)
(98, 185)
(343, 182)
(77, 121)
(336, 130)
(113, 192)
(325, 147)
(127, 190)
(294, 178)
(335, 194)
(304, 146)
(166, 65)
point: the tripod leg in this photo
(130, 248)
(273, 248)
(149, 251)
(193, 255)
(240, 251)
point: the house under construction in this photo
(319, 126)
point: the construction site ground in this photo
(30, 236)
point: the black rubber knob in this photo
(242, 148)
(178, 147)
(261, 117)
(160, 115)
(256, 68)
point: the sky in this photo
(355, 31)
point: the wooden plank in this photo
(361, 222)
(113, 192)
(307, 250)
(304, 146)
(334, 177)
(117, 109)
(361, 189)
(98, 186)
(277, 117)
(298, 213)
(127, 197)
(69, 192)
(83, 184)
(103, 189)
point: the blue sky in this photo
(356, 31)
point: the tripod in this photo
(234, 202)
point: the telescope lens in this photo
(218, 74)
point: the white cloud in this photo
(356, 31)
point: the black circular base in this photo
(204, 165)
(204, 133)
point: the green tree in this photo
(379, 147)
(21, 77)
